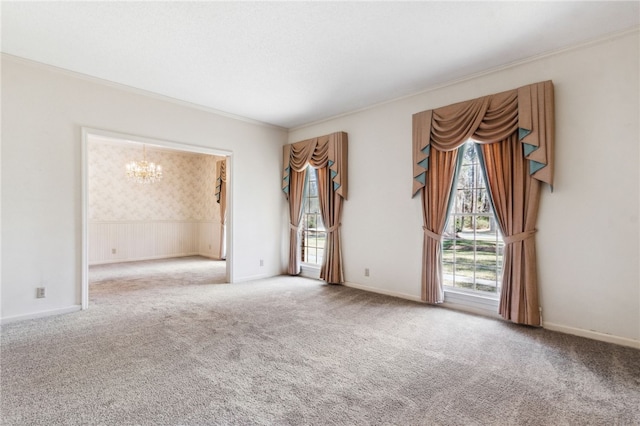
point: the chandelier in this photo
(144, 171)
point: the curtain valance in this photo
(329, 150)
(527, 110)
(221, 177)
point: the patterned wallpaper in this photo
(186, 191)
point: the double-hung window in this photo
(313, 232)
(472, 245)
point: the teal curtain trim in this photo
(534, 166)
(422, 178)
(336, 186)
(330, 163)
(523, 133)
(425, 163)
(285, 179)
(528, 149)
(454, 185)
(333, 174)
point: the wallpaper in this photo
(186, 191)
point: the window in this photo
(313, 231)
(472, 244)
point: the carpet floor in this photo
(165, 343)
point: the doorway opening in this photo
(183, 214)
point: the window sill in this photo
(310, 270)
(477, 303)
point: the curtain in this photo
(296, 192)
(221, 198)
(434, 211)
(515, 198)
(327, 154)
(525, 115)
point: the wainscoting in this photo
(124, 241)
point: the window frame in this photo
(477, 187)
(311, 194)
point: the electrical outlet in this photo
(209, 246)
(261, 262)
(40, 292)
(113, 251)
(366, 272)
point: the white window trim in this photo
(309, 270)
(471, 302)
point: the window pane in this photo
(311, 256)
(312, 221)
(313, 188)
(314, 205)
(484, 204)
(483, 224)
(322, 237)
(472, 247)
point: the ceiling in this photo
(293, 63)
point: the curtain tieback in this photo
(519, 237)
(333, 228)
(431, 234)
(294, 227)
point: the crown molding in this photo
(135, 90)
(514, 64)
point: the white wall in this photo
(588, 238)
(43, 111)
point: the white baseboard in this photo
(41, 314)
(139, 259)
(595, 335)
(383, 291)
(253, 278)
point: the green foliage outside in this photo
(465, 253)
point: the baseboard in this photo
(382, 291)
(41, 314)
(253, 278)
(594, 335)
(609, 338)
(140, 259)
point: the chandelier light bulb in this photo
(144, 171)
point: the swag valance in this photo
(221, 198)
(221, 179)
(328, 155)
(324, 151)
(515, 130)
(526, 111)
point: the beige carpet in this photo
(170, 347)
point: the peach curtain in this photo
(434, 211)
(296, 191)
(515, 199)
(526, 114)
(221, 198)
(327, 154)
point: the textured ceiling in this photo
(292, 63)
